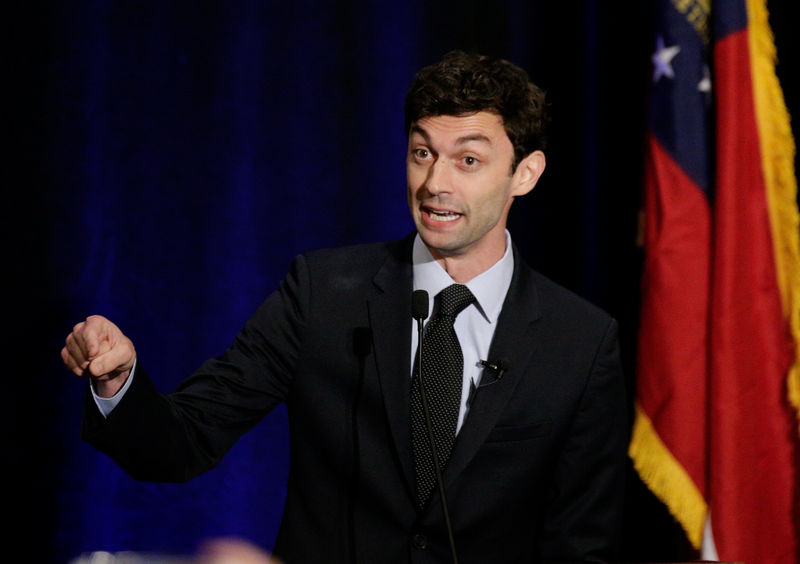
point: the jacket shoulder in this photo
(557, 301)
(356, 262)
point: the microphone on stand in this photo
(419, 311)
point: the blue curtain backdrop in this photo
(165, 162)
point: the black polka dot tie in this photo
(443, 373)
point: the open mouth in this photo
(441, 215)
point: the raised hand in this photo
(98, 349)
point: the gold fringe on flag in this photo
(777, 161)
(666, 478)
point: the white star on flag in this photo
(662, 59)
(705, 84)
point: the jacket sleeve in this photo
(175, 437)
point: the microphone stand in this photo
(420, 314)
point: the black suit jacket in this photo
(536, 472)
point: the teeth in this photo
(443, 216)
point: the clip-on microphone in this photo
(500, 367)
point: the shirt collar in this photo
(489, 287)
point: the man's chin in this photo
(441, 245)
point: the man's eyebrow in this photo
(460, 141)
(474, 137)
(417, 129)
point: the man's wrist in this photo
(107, 404)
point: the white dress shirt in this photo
(476, 324)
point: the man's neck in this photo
(489, 287)
(460, 269)
(469, 263)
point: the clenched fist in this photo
(98, 349)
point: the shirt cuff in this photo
(107, 405)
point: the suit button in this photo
(420, 541)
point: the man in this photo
(531, 433)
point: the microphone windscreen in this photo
(419, 304)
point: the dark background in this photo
(165, 161)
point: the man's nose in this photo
(438, 180)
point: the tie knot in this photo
(453, 299)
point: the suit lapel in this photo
(515, 340)
(390, 320)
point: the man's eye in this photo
(421, 153)
(470, 161)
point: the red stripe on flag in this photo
(753, 450)
(672, 354)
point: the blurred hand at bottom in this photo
(234, 551)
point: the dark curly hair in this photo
(465, 83)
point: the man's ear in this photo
(527, 174)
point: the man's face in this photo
(460, 183)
